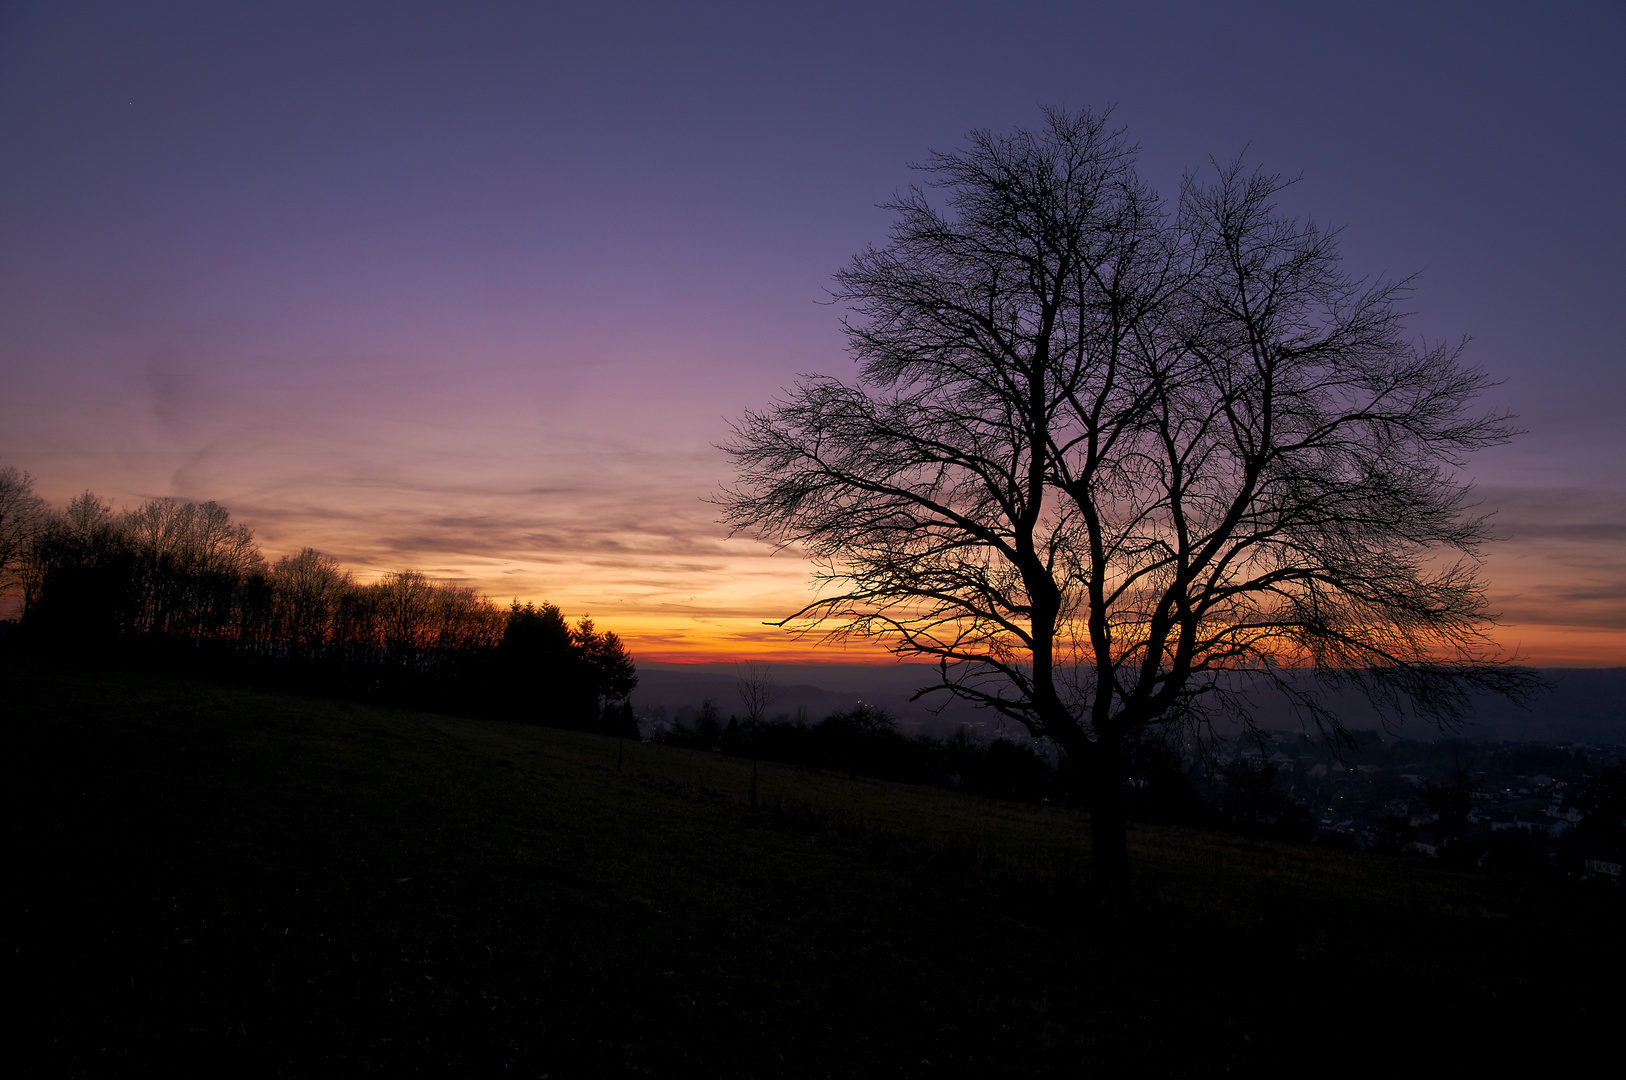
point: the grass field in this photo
(216, 876)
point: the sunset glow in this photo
(479, 293)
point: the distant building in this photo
(1539, 824)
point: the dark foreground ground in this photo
(206, 875)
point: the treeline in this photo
(1202, 786)
(866, 741)
(1162, 782)
(181, 583)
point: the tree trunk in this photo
(1109, 825)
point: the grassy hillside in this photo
(214, 874)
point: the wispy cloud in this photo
(1562, 563)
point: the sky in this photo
(477, 288)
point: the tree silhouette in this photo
(1451, 799)
(539, 669)
(188, 559)
(22, 515)
(306, 589)
(1114, 463)
(757, 693)
(77, 574)
(609, 667)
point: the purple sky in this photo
(474, 288)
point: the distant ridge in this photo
(1581, 705)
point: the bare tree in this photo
(1112, 463)
(189, 557)
(77, 572)
(306, 589)
(22, 515)
(405, 602)
(757, 693)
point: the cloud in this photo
(1571, 516)
(389, 462)
(1562, 563)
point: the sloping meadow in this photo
(209, 873)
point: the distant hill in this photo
(817, 689)
(1581, 704)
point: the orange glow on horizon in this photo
(725, 640)
(1536, 647)
(713, 640)
(729, 621)
(682, 593)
